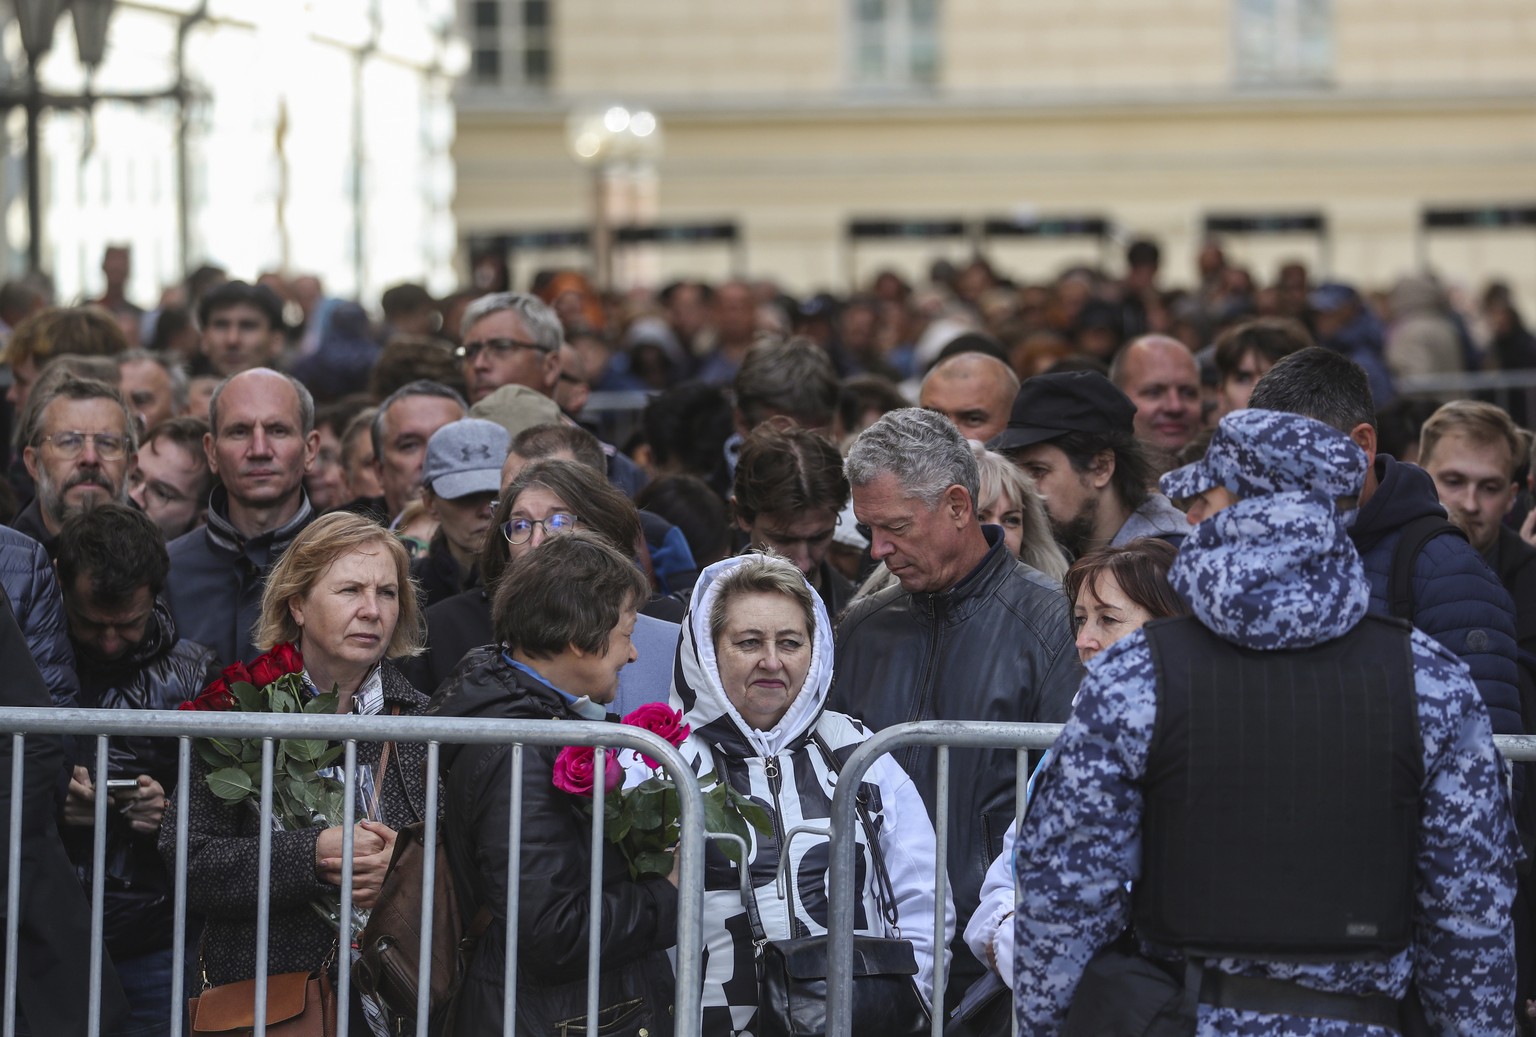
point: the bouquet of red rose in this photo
(302, 796)
(643, 820)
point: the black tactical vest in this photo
(1281, 796)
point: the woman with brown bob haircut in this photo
(342, 595)
(1117, 590)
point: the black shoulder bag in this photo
(792, 974)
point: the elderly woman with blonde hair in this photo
(342, 596)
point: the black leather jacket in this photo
(161, 672)
(639, 918)
(997, 646)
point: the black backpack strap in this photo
(1414, 536)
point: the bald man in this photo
(973, 390)
(1161, 377)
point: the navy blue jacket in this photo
(1457, 599)
(27, 578)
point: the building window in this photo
(1282, 42)
(895, 43)
(509, 43)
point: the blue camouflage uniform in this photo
(1275, 570)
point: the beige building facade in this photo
(795, 118)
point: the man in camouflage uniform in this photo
(1269, 567)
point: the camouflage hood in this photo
(1277, 569)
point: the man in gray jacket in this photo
(969, 633)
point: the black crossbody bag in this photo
(792, 974)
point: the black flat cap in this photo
(1051, 405)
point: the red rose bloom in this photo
(574, 770)
(216, 696)
(236, 672)
(661, 720)
(265, 670)
(286, 656)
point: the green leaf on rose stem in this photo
(754, 815)
(644, 807)
(229, 748)
(714, 817)
(213, 756)
(330, 756)
(230, 784)
(732, 850)
(325, 703)
(658, 863)
(307, 750)
(247, 696)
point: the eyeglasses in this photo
(72, 444)
(499, 346)
(518, 530)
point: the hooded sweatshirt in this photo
(1270, 572)
(785, 773)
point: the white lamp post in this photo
(602, 139)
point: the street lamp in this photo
(602, 139)
(37, 20)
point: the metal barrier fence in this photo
(942, 735)
(350, 730)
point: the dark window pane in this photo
(487, 14)
(485, 64)
(535, 13)
(536, 66)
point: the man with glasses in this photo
(79, 447)
(510, 339)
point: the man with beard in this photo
(1074, 434)
(262, 440)
(80, 444)
(112, 566)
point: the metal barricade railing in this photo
(349, 730)
(942, 735)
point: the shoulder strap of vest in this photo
(887, 890)
(1414, 536)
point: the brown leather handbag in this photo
(299, 1004)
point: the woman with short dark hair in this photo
(558, 658)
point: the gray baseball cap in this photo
(465, 457)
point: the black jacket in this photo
(1513, 561)
(639, 918)
(53, 959)
(997, 646)
(439, 575)
(455, 627)
(217, 577)
(161, 672)
(222, 875)
(30, 521)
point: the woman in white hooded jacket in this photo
(754, 667)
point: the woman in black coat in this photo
(558, 659)
(342, 594)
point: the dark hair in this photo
(186, 432)
(405, 298)
(408, 359)
(238, 293)
(1143, 253)
(686, 428)
(535, 612)
(1399, 423)
(865, 392)
(692, 505)
(338, 414)
(120, 547)
(1270, 337)
(793, 376)
(172, 321)
(1140, 568)
(1320, 384)
(602, 509)
(1133, 471)
(784, 469)
(417, 388)
(541, 441)
(972, 342)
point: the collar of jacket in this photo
(443, 567)
(226, 539)
(964, 598)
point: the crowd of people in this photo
(1194, 526)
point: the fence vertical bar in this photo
(428, 891)
(179, 914)
(98, 889)
(1021, 786)
(940, 884)
(264, 886)
(595, 880)
(13, 881)
(344, 903)
(514, 883)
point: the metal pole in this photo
(602, 242)
(34, 170)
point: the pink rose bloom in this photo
(574, 769)
(660, 720)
